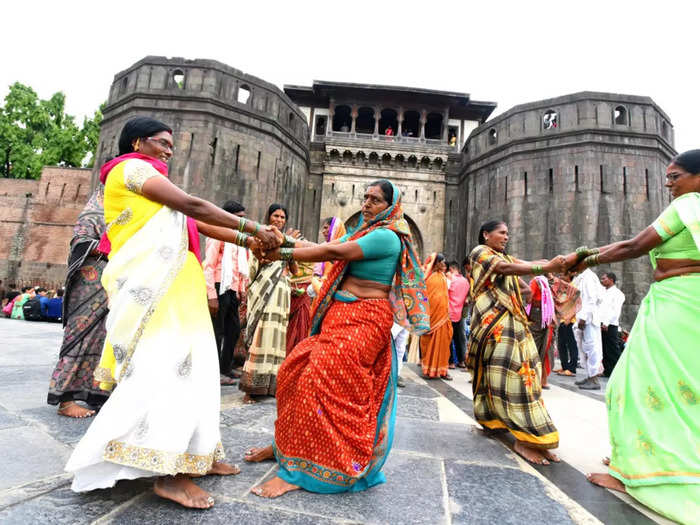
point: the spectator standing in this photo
(51, 308)
(611, 307)
(587, 330)
(226, 273)
(457, 296)
(32, 308)
(17, 307)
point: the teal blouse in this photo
(380, 249)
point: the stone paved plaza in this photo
(441, 470)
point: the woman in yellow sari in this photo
(435, 345)
(163, 417)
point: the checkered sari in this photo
(503, 357)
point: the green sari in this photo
(653, 396)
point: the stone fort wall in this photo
(595, 177)
(236, 136)
(36, 225)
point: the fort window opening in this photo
(342, 119)
(388, 124)
(493, 136)
(373, 158)
(360, 157)
(124, 85)
(399, 160)
(438, 163)
(179, 78)
(347, 156)
(664, 129)
(452, 134)
(624, 180)
(321, 125)
(365, 121)
(386, 160)
(551, 180)
(412, 161)
(433, 126)
(550, 119)
(646, 182)
(243, 94)
(576, 187)
(411, 124)
(290, 120)
(335, 155)
(620, 115)
(425, 163)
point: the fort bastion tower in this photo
(236, 136)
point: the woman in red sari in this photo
(435, 345)
(336, 393)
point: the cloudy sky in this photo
(507, 52)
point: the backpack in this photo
(32, 310)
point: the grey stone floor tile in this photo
(155, 511)
(488, 495)
(32, 490)
(398, 500)
(258, 417)
(417, 408)
(8, 420)
(236, 442)
(29, 455)
(65, 429)
(63, 506)
(17, 397)
(450, 441)
(417, 390)
(19, 375)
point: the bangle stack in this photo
(257, 228)
(286, 254)
(592, 260)
(241, 240)
(289, 241)
(241, 224)
(537, 269)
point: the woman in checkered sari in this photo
(502, 356)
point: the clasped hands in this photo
(571, 264)
(266, 253)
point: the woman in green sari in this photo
(653, 396)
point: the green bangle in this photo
(286, 254)
(289, 241)
(594, 251)
(257, 228)
(582, 251)
(537, 269)
(241, 224)
(241, 240)
(591, 260)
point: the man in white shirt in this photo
(611, 308)
(400, 335)
(587, 330)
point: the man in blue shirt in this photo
(51, 308)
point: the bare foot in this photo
(181, 489)
(273, 488)
(249, 400)
(606, 461)
(551, 456)
(532, 455)
(73, 409)
(256, 455)
(223, 469)
(606, 481)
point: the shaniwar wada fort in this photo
(583, 168)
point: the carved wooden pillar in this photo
(331, 112)
(377, 116)
(423, 120)
(399, 117)
(353, 114)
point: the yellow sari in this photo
(160, 349)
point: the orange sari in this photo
(435, 345)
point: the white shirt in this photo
(591, 296)
(613, 299)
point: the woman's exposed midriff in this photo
(666, 268)
(365, 289)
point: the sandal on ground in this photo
(447, 377)
(567, 373)
(225, 380)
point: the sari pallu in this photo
(266, 331)
(300, 306)
(503, 358)
(435, 345)
(84, 313)
(164, 416)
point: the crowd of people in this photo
(152, 333)
(32, 303)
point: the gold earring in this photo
(136, 146)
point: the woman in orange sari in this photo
(435, 345)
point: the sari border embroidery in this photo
(161, 461)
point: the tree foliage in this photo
(35, 133)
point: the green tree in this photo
(35, 133)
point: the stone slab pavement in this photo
(441, 469)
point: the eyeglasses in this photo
(162, 142)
